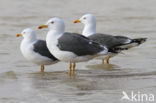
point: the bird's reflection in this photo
(59, 80)
(104, 66)
(9, 75)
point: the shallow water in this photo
(133, 70)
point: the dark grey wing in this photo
(109, 40)
(78, 44)
(41, 48)
(123, 39)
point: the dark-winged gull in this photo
(109, 41)
(70, 47)
(35, 50)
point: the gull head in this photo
(87, 19)
(54, 24)
(89, 22)
(27, 33)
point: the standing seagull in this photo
(70, 47)
(35, 50)
(109, 41)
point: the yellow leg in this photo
(103, 61)
(42, 68)
(107, 59)
(70, 69)
(74, 65)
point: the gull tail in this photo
(117, 49)
(139, 40)
(134, 43)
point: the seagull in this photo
(109, 41)
(70, 47)
(35, 50)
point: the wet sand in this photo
(133, 70)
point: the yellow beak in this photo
(18, 35)
(42, 26)
(77, 21)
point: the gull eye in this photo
(84, 18)
(52, 22)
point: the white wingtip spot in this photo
(90, 42)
